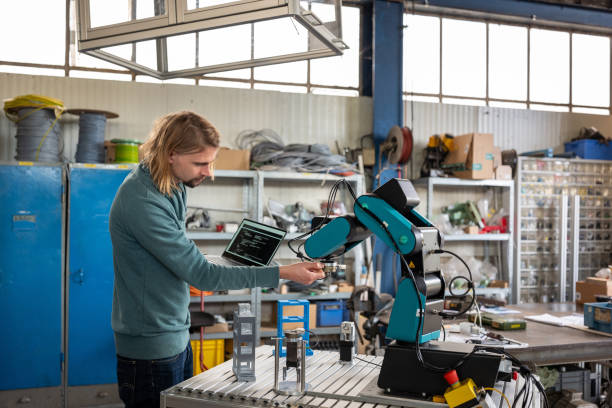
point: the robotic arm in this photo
(389, 213)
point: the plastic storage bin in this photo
(590, 149)
(213, 351)
(598, 316)
(330, 313)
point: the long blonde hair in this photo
(179, 132)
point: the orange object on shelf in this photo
(197, 292)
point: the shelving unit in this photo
(503, 242)
(565, 225)
(253, 206)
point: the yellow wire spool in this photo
(37, 102)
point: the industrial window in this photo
(55, 52)
(485, 63)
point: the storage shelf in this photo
(451, 181)
(224, 236)
(291, 176)
(476, 237)
(212, 336)
(270, 297)
(316, 330)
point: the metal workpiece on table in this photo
(330, 383)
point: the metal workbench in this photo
(330, 384)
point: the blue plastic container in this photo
(598, 316)
(590, 149)
(330, 313)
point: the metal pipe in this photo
(303, 367)
(276, 360)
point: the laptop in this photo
(253, 244)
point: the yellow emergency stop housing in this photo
(462, 394)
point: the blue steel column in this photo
(387, 96)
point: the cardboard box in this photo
(231, 159)
(471, 229)
(498, 284)
(298, 311)
(217, 328)
(503, 173)
(497, 157)
(587, 290)
(471, 156)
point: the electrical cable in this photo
(366, 361)
(38, 131)
(501, 393)
(470, 283)
(267, 148)
(90, 148)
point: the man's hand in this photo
(303, 272)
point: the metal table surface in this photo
(550, 344)
(330, 384)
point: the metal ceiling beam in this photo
(530, 10)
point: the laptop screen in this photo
(254, 243)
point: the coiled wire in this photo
(38, 130)
(90, 148)
(38, 136)
(267, 149)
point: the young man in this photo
(155, 262)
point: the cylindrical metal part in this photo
(292, 354)
(277, 346)
(303, 367)
(433, 285)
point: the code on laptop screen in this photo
(254, 243)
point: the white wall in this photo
(298, 118)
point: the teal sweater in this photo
(154, 264)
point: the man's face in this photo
(193, 168)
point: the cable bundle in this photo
(38, 133)
(268, 149)
(90, 148)
(38, 136)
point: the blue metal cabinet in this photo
(91, 350)
(31, 242)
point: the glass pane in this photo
(278, 37)
(83, 60)
(196, 4)
(146, 54)
(421, 54)
(108, 12)
(460, 101)
(224, 84)
(592, 111)
(590, 70)
(225, 45)
(282, 88)
(100, 75)
(507, 62)
(549, 70)
(512, 105)
(31, 71)
(332, 91)
(181, 52)
(417, 98)
(551, 108)
(237, 73)
(289, 72)
(342, 70)
(463, 58)
(21, 27)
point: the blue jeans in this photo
(141, 381)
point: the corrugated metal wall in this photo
(298, 118)
(519, 129)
